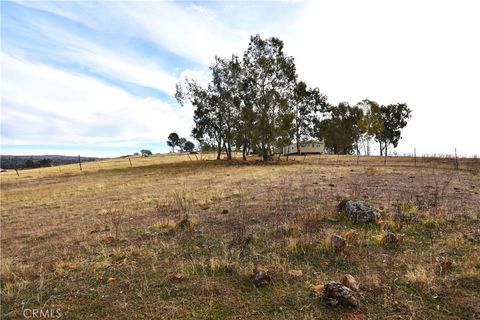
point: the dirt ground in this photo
(179, 239)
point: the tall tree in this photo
(226, 84)
(189, 146)
(394, 119)
(370, 124)
(207, 116)
(268, 75)
(173, 140)
(306, 103)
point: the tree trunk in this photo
(244, 151)
(381, 148)
(229, 151)
(219, 149)
(298, 144)
(264, 152)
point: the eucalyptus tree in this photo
(207, 117)
(370, 124)
(340, 128)
(173, 140)
(394, 118)
(268, 78)
(226, 74)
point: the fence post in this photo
(80, 162)
(16, 170)
(415, 156)
(456, 159)
(130, 160)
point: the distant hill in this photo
(11, 161)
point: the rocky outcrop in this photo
(359, 211)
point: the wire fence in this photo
(424, 161)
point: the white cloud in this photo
(191, 31)
(43, 105)
(423, 53)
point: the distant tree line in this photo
(19, 162)
(256, 103)
(38, 164)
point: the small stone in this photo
(338, 243)
(349, 281)
(336, 293)
(225, 211)
(177, 276)
(261, 276)
(184, 224)
(108, 240)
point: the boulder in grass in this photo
(336, 293)
(359, 211)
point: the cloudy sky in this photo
(98, 78)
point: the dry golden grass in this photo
(173, 237)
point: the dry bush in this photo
(115, 218)
(162, 213)
(182, 205)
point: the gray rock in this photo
(336, 293)
(359, 211)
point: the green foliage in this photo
(38, 164)
(173, 140)
(340, 129)
(370, 124)
(188, 146)
(306, 103)
(394, 119)
(257, 103)
(253, 103)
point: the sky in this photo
(98, 78)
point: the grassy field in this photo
(178, 236)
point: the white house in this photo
(306, 147)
